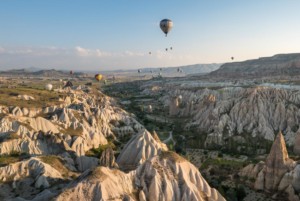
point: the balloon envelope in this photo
(98, 77)
(49, 87)
(166, 25)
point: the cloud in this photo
(78, 58)
(82, 51)
(131, 54)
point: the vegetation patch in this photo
(57, 163)
(96, 152)
(223, 163)
(42, 98)
(73, 132)
(13, 157)
(171, 156)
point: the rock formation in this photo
(166, 176)
(107, 158)
(80, 123)
(297, 144)
(140, 147)
(277, 163)
(278, 173)
(100, 184)
(170, 177)
(246, 112)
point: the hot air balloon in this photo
(166, 49)
(150, 52)
(139, 71)
(166, 25)
(232, 58)
(171, 48)
(49, 87)
(150, 110)
(180, 98)
(98, 77)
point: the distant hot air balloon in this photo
(232, 58)
(166, 49)
(150, 108)
(49, 87)
(98, 77)
(166, 25)
(171, 48)
(150, 52)
(139, 71)
(180, 98)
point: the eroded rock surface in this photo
(278, 173)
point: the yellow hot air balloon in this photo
(98, 77)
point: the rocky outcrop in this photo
(224, 113)
(163, 177)
(80, 123)
(170, 177)
(140, 147)
(278, 173)
(297, 144)
(100, 184)
(107, 158)
(277, 163)
(32, 167)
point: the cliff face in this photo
(245, 112)
(281, 64)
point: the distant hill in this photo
(171, 71)
(280, 64)
(38, 73)
(194, 69)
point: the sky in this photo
(119, 34)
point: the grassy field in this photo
(42, 98)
